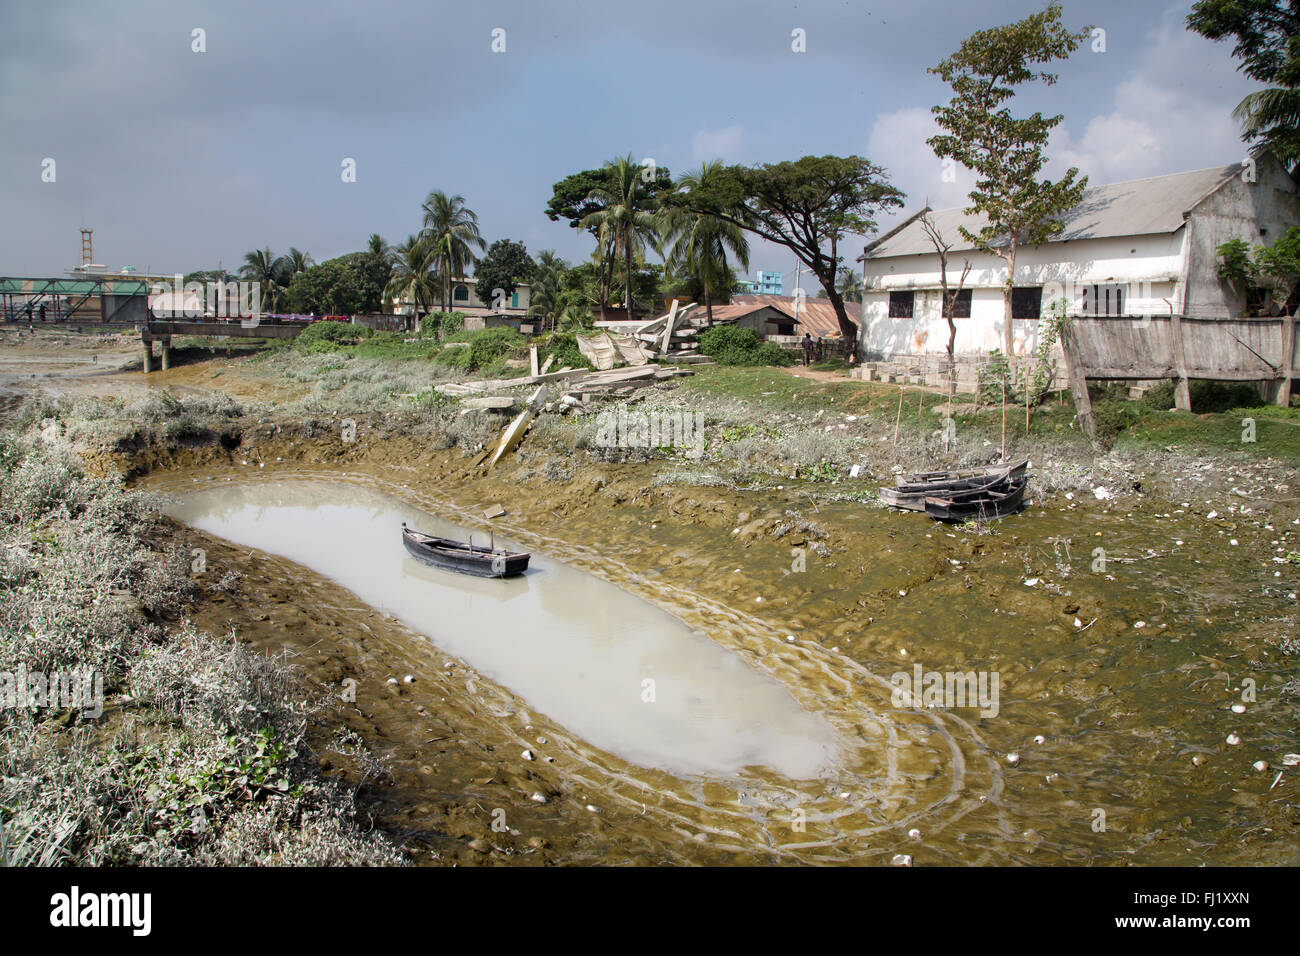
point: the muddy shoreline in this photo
(1116, 683)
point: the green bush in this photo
(327, 336)
(563, 347)
(732, 345)
(487, 347)
(445, 324)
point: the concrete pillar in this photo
(148, 357)
(166, 354)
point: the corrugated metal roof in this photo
(1138, 207)
(815, 315)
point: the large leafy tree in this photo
(334, 287)
(506, 264)
(808, 205)
(1005, 152)
(625, 222)
(452, 227)
(698, 243)
(1267, 35)
(413, 275)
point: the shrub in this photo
(320, 337)
(486, 347)
(733, 345)
(563, 347)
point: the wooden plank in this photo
(1283, 396)
(1078, 382)
(1182, 393)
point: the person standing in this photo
(808, 346)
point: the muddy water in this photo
(627, 676)
(1105, 716)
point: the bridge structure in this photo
(102, 298)
(252, 328)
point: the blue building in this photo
(769, 283)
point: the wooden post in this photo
(1078, 382)
(1283, 397)
(899, 418)
(1004, 416)
(1182, 393)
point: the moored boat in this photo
(998, 499)
(464, 558)
(910, 495)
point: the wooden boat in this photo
(452, 555)
(910, 495)
(987, 471)
(996, 500)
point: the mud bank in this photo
(1116, 679)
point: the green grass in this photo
(1215, 424)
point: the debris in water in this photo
(1233, 740)
(901, 859)
(1013, 758)
(527, 755)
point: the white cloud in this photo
(724, 144)
(1173, 113)
(898, 143)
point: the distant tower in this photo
(87, 249)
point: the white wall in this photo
(1149, 266)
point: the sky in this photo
(182, 159)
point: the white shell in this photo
(1013, 758)
(527, 755)
(901, 859)
(1233, 739)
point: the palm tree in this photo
(698, 243)
(548, 295)
(453, 228)
(296, 261)
(377, 245)
(849, 285)
(266, 269)
(412, 277)
(627, 221)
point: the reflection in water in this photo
(627, 676)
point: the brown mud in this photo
(1110, 745)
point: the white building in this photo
(1137, 248)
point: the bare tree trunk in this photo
(1008, 337)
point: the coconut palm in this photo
(698, 244)
(849, 285)
(295, 261)
(548, 294)
(377, 245)
(412, 276)
(627, 222)
(266, 269)
(453, 228)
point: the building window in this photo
(1102, 300)
(461, 294)
(900, 304)
(960, 305)
(1027, 302)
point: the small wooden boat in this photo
(910, 495)
(987, 471)
(996, 500)
(452, 555)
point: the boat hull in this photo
(910, 494)
(999, 500)
(456, 556)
